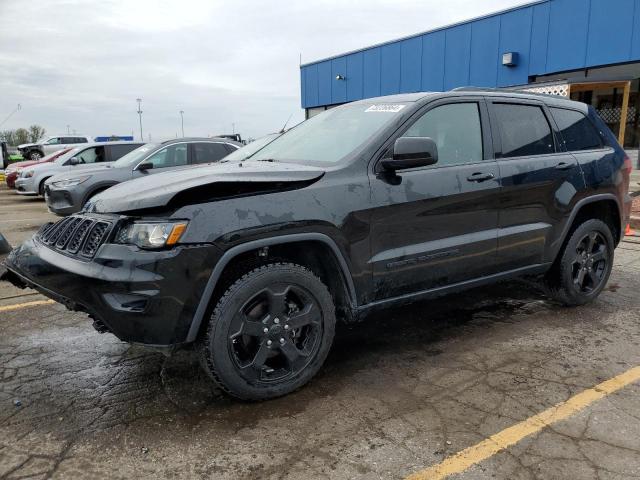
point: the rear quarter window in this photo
(577, 131)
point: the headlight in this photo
(151, 234)
(70, 182)
(27, 174)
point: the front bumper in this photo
(140, 296)
(62, 201)
(26, 186)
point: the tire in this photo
(298, 312)
(583, 266)
(35, 155)
(41, 187)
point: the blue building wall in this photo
(549, 36)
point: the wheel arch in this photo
(605, 207)
(95, 190)
(286, 247)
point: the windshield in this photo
(63, 158)
(331, 135)
(132, 158)
(248, 150)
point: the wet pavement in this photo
(399, 393)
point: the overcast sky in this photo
(83, 63)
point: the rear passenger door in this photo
(539, 181)
(437, 225)
(207, 152)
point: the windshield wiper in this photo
(267, 160)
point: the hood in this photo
(72, 171)
(16, 165)
(202, 184)
(20, 147)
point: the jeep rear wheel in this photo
(584, 267)
(269, 333)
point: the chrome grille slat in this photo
(56, 232)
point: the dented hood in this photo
(158, 189)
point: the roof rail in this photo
(505, 90)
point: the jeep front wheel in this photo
(35, 155)
(269, 333)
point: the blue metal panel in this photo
(483, 67)
(539, 39)
(324, 83)
(433, 61)
(635, 42)
(303, 86)
(372, 73)
(610, 31)
(390, 69)
(338, 87)
(568, 24)
(456, 58)
(515, 36)
(354, 76)
(411, 65)
(311, 86)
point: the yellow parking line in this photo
(468, 457)
(18, 306)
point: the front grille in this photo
(75, 235)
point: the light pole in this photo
(139, 100)
(68, 130)
(182, 121)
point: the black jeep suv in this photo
(366, 205)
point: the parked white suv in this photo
(50, 144)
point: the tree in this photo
(36, 132)
(21, 136)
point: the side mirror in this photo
(144, 166)
(73, 161)
(412, 152)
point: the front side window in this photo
(208, 152)
(171, 156)
(524, 130)
(577, 131)
(456, 129)
(53, 141)
(331, 136)
(91, 155)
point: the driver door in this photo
(436, 226)
(171, 156)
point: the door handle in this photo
(480, 177)
(564, 166)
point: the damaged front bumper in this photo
(145, 297)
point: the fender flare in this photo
(574, 213)
(253, 245)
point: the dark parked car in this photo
(368, 205)
(67, 192)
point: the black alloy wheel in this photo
(275, 334)
(270, 332)
(583, 266)
(590, 262)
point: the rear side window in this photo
(456, 129)
(524, 130)
(118, 151)
(577, 130)
(209, 152)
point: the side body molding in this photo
(253, 245)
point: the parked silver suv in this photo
(68, 191)
(50, 144)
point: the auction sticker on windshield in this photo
(385, 108)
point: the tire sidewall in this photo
(576, 297)
(217, 354)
